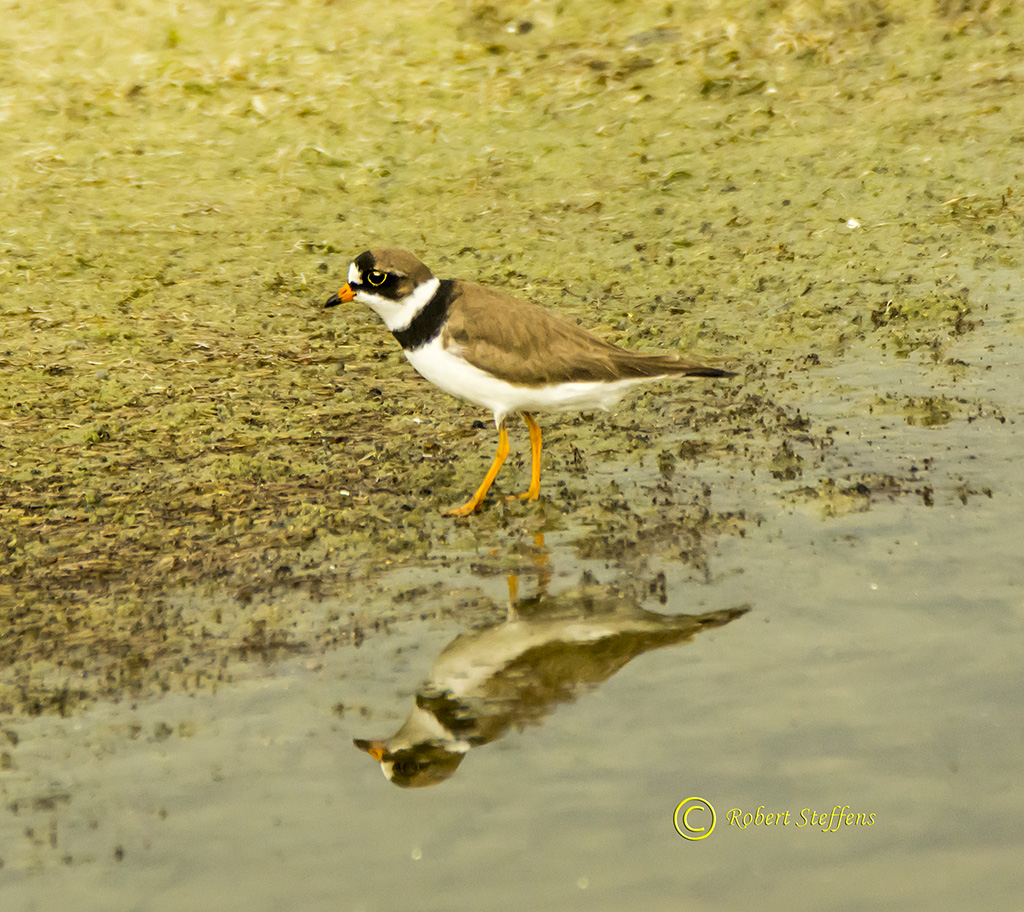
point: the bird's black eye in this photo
(407, 767)
(376, 277)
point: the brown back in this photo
(527, 345)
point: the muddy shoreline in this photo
(179, 414)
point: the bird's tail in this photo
(639, 364)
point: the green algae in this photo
(780, 185)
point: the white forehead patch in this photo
(353, 274)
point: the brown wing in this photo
(527, 345)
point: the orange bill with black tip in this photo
(375, 749)
(345, 295)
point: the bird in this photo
(483, 345)
(517, 671)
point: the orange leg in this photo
(534, 491)
(471, 505)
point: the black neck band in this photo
(427, 323)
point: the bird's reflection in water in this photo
(510, 674)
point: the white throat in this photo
(398, 315)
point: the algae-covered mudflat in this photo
(783, 185)
(201, 469)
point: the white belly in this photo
(459, 378)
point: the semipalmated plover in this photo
(514, 673)
(485, 346)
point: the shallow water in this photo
(877, 671)
(222, 557)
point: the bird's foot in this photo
(467, 509)
(526, 495)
